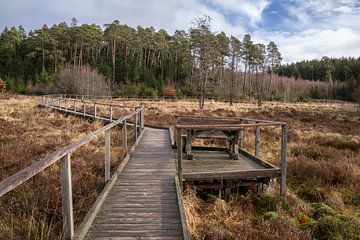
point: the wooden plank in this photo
(144, 194)
(66, 196)
(225, 126)
(231, 174)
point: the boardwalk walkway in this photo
(143, 202)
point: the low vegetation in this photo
(322, 202)
(28, 133)
(323, 199)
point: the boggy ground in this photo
(323, 199)
(28, 133)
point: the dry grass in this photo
(323, 166)
(28, 133)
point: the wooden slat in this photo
(143, 201)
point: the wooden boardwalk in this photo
(143, 202)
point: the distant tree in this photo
(111, 35)
(273, 58)
(202, 46)
(235, 56)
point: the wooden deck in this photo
(143, 202)
(209, 165)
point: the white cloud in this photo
(252, 9)
(315, 43)
(316, 28)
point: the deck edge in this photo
(181, 209)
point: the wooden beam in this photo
(66, 196)
(107, 155)
(225, 126)
(231, 174)
(181, 209)
(257, 141)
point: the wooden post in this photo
(65, 105)
(257, 141)
(188, 145)
(125, 138)
(111, 113)
(135, 125)
(66, 196)
(84, 108)
(107, 155)
(143, 117)
(74, 105)
(94, 110)
(179, 156)
(241, 136)
(283, 159)
(175, 131)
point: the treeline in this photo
(142, 62)
(332, 70)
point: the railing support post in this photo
(241, 136)
(257, 141)
(107, 155)
(136, 126)
(284, 129)
(66, 195)
(94, 110)
(125, 138)
(179, 156)
(111, 113)
(142, 118)
(74, 105)
(175, 132)
(84, 108)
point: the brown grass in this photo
(323, 166)
(28, 133)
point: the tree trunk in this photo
(113, 63)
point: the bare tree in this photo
(82, 80)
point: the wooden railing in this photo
(230, 124)
(80, 105)
(63, 156)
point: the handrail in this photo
(64, 156)
(227, 126)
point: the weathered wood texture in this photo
(143, 202)
(209, 165)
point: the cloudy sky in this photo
(303, 29)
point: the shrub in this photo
(312, 194)
(169, 92)
(321, 210)
(315, 92)
(2, 85)
(270, 216)
(266, 202)
(337, 227)
(303, 221)
(82, 80)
